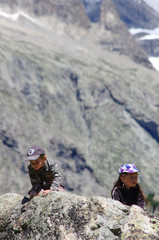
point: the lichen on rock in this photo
(65, 216)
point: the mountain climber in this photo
(126, 189)
(43, 173)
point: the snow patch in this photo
(154, 32)
(149, 37)
(155, 62)
(15, 16)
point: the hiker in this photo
(126, 189)
(43, 173)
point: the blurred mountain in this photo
(68, 11)
(84, 91)
(92, 9)
(136, 13)
(141, 15)
(110, 32)
(153, 4)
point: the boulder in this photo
(61, 215)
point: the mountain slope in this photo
(109, 32)
(90, 108)
(68, 11)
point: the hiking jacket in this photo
(47, 177)
(128, 196)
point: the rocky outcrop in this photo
(66, 216)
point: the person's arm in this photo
(56, 176)
(116, 195)
(140, 201)
(36, 186)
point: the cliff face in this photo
(65, 216)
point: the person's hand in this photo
(44, 192)
(33, 194)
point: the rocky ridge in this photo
(65, 216)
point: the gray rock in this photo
(68, 216)
(90, 108)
